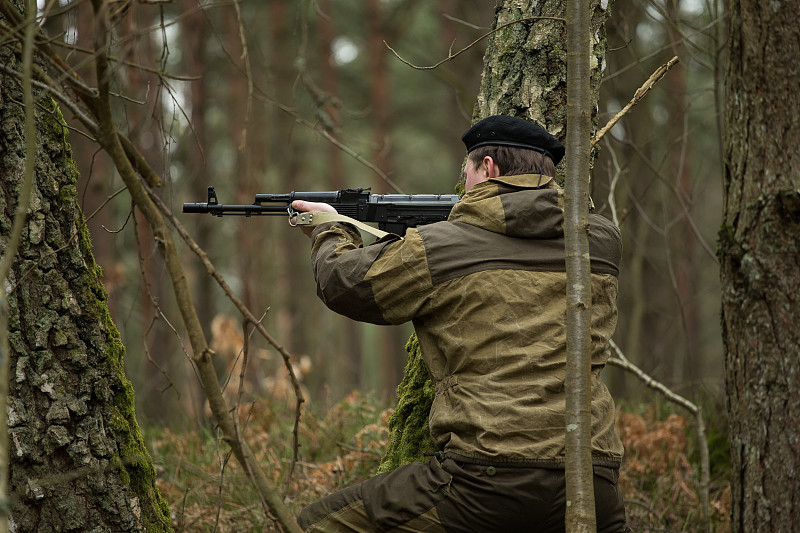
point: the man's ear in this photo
(491, 168)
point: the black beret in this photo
(501, 130)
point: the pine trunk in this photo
(524, 75)
(77, 457)
(759, 253)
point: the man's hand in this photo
(303, 206)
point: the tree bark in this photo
(580, 515)
(525, 72)
(759, 251)
(77, 458)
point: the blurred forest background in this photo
(256, 119)
(277, 96)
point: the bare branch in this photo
(651, 82)
(143, 198)
(157, 311)
(451, 55)
(245, 312)
(702, 444)
(248, 76)
(612, 187)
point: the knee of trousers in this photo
(332, 504)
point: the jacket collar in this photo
(526, 206)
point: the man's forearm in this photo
(340, 265)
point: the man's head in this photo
(505, 146)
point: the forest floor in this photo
(207, 490)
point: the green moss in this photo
(94, 271)
(409, 437)
(136, 463)
(55, 120)
(116, 464)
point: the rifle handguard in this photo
(312, 218)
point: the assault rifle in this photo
(394, 213)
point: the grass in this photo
(207, 490)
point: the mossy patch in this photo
(409, 437)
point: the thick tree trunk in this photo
(77, 458)
(759, 253)
(525, 72)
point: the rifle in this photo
(394, 213)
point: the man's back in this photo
(486, 293)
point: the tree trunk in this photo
(580, 514)
(342, 368)
(525, 72)
(388, 358)
(684, 362)
(78, 461)
(759, 251)
(194, 35)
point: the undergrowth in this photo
(208, 491)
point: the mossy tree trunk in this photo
(759, 252)
(524, 75)
(77, 458)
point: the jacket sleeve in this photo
(385, 283)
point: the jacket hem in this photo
(557, 463)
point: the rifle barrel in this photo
(242, 210)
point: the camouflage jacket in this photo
(486, 294)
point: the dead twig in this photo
(651, 82)
(245, 312)
(202, 354)
(451, 55)
(705, 470)
(245, 57)
(157, 312)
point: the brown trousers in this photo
(454, 497)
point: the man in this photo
(486, 294)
